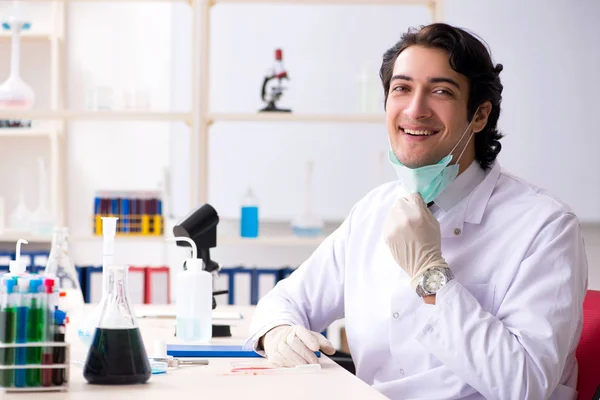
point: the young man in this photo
(458, 280)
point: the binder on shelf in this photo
(92, 290)
(240, 285)
(5, 258)
(263, 280)
(158, 285)
(137, 284)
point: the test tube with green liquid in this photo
(8, 330)
(35, 332)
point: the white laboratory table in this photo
(213, 381)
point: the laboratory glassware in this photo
(308, 223)
(249, 217)
(42, 220)
(117, 354)
(60, 266)
(14, 92)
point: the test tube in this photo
(48, 306)
(35, 332)
(24, 302)
(8, 330)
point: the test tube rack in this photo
(51, 388)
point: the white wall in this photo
(550, 80)
(548, 49)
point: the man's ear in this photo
(481, 116)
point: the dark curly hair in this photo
(467, 56)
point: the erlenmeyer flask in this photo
(62, 269)
(14, 92)
(117, 355)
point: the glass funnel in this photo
(60, 266)
(117, 355)
(14, 92)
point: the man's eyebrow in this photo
(446, 80)
(403, 77)
(437, 79)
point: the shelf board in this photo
(293, 117)
(5, 36)
(333, 2)
(222, 240)
(282, 240)
(12, 237)
(96, 115)
(26, 132)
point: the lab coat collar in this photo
(460, 187)
(471, 203)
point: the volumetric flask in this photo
(117, 355)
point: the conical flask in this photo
(117, 355)
(61, 268)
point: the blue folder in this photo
(212, 350)
(208, 350)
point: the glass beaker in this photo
(62, 269)
(117, 355)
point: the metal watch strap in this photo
(421, 292)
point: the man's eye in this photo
(443, 92)
(400, 89)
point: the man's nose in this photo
(417, 108)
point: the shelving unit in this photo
(59, 114)
(208, 118)
(199, 118)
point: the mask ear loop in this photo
(463, 135)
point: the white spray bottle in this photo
(193, 308)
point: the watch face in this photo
(434, 280)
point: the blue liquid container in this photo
(249, 217)
(249, 222)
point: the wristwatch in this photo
(433, 280)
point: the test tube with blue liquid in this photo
(8, 330)
(249, 217)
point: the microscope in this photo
(277, 74)
(201, 227)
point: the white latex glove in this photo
(289, 346)
(413, 236)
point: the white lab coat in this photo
(506, 328)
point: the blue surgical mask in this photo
(429, 180)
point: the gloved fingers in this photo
(325, 345)
(315, 341)
(277, 359)
(302, 350)
(291, 357)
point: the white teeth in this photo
(419, 133)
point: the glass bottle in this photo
(60, 266)
(117, 354)
(249, 215)
(14, 92)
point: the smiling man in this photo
(458, 280)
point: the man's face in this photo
(426, 109)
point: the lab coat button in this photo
(457, 232)
(396, 315)
(402, 372)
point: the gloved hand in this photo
(289, 346)
(413, 236)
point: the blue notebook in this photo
(212, 350)
(208, 350)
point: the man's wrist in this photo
(429, 299)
